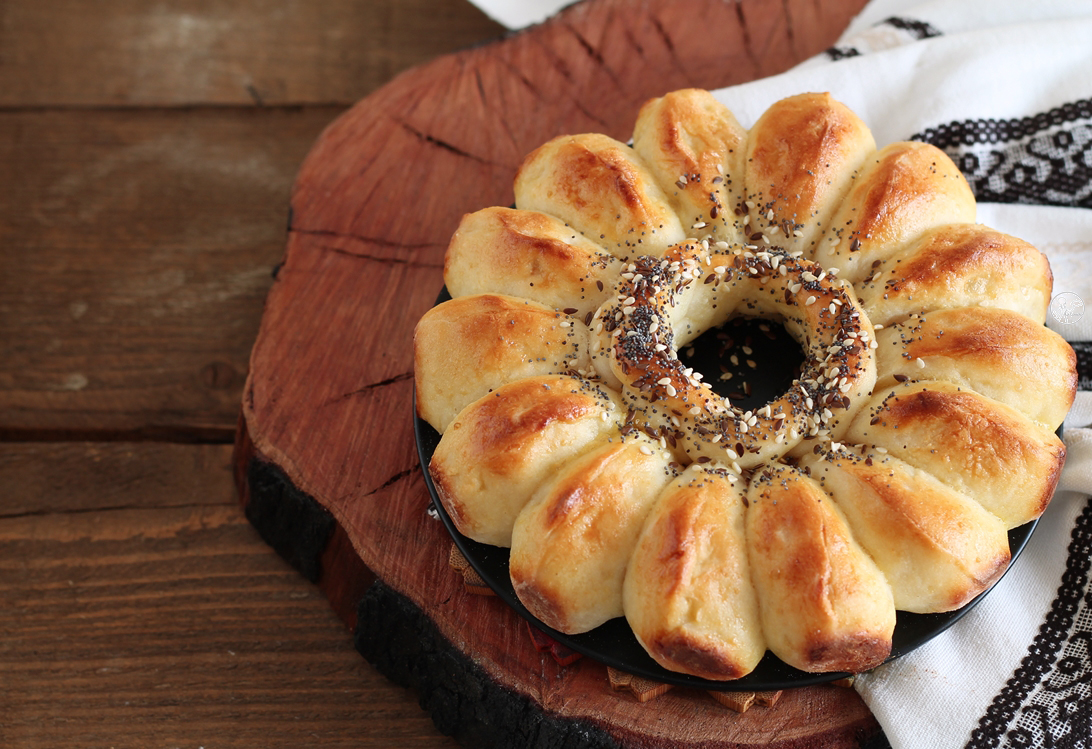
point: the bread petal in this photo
(466, 347)
(937, 548)
(825, 604)
(687, 593)
(501, 447)
(530, 255)
(601, 188)
(572, 542)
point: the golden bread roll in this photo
(960, 265)
(902, 190)
(687, 593)
(500, 448)
(465, 347)
(599, 187)
(802, 156)
(973, 444)
(530, 255)
(937, 548)
(824, 603)
(572, 542)
(914, 428)
(998, 353)
(696, 148)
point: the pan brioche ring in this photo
(627, 486)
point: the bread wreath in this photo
(626, 486)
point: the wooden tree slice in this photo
(325, 457)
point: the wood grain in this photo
(66, 53)
(144, 611)
(147, 150)
(139, 246)
(372, 209)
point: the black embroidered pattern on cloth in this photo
(1048, 700)
(1083, 349)
(1045, 159)
(903, 29)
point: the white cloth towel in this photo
(1005, 86)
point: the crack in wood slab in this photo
(573, 91)
(394, 479)
(748, 44)
(375, 242)
(439, 143)
(790, 28)
(372, 386)
(594, 53)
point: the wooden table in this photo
(147, 150)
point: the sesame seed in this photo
(645, 449)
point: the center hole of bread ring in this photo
(750, 361)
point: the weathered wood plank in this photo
(253, 52)
(41, 478)
(166, 621)
(138, 248)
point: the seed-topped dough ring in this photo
(572, 430)
(642, 329)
